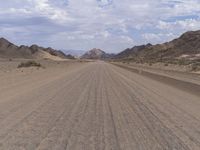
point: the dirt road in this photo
(96, 106)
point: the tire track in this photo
(30, 120)
(185, 126)
(162, 134)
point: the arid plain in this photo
(96, 105)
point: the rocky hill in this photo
(76, 53)
(131, 52)
(96, 54)
(10, 50)
(187, 47)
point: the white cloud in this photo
(108, 24)
(188, 24)
(158, 37)
(44, 8)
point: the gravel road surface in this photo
(96, 106)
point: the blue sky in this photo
(111, 25)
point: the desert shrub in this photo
(29, 64)
(171, 61)
(166, 64)
(184, 62)
(181, 62)
(195, 66)
(150, 64)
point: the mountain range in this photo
(187, 47)
(10, 50)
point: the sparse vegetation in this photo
(183, 62)
(150, 64)
(166, 64)
(195, 66)
(29, 64)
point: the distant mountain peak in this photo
(94, 53)
(4, 41)
(74, 52)
(96, 49)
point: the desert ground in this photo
(73, 105)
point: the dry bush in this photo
(195, 66)
(29, 64)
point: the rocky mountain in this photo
(96, 54)
(187, 46)
(10, 50)
(75, 53)
(131, 52)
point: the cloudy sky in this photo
(111, 25)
